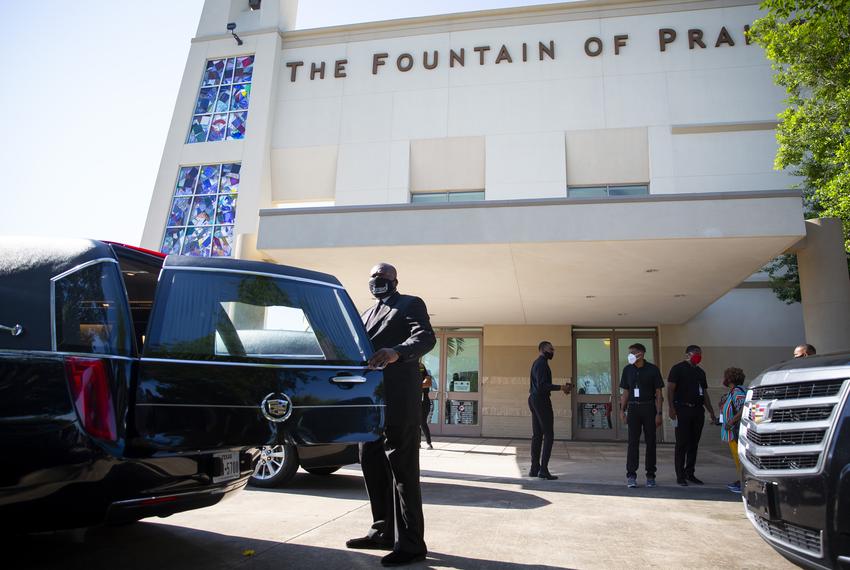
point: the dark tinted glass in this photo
(91, 312)
(226, 316)
(588, 192)
(628, 190)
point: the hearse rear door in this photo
(246, 358)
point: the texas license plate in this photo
(228, 466)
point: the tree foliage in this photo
(808, 42)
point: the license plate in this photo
(758, 496)
(229, 466)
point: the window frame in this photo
(54, 343)
(607, 188)
(218, 86)
(447, 194)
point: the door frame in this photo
(618, 431)
(440, 396)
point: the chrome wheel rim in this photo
(270, 462)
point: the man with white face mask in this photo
(640, 409)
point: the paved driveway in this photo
(479, 513)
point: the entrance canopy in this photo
(614, 262)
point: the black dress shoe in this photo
(546, 475)
(681, 481)
(693, 479)
(398, 558)
(368, 543)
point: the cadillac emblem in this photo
(760, 411)
(276, 407)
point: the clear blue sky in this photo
(88, 97)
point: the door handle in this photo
(348, 379)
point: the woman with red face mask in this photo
(687, 394)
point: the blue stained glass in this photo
(186, 180)
(244, 69)
(212, 75)
(226, 211)
(228, 71)
(172, 241)
(197, 241)
(230, 178)
(202, 211)
(198, 131)
(222, 242)
(236, 125)
(241, 94)
(205, 100)
(179, 211)
(218, 127)
(222, 102)
(209, 180)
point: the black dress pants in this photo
(542, 431)
(641, 417)
(426, 413)
(688, 433)
(391, 472)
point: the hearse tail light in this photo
(89, 383)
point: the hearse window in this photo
(91, 311)
(276, 331)
(208, 315)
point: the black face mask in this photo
(381, 287)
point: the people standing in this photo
(542, 416)
(641, 409)
(427, 404)
(731, 408)
(687, 394)
(401, 334)
(804, 350)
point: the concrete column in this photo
(825, 286)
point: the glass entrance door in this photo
(455, 366)
(599, 359)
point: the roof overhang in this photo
(628, 261)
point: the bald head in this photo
(804, 350)
(384, 270)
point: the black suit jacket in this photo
(401, 323)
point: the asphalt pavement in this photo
(480, 512)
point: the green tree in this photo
(808, 42)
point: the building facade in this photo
(592, 173)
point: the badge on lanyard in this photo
(700, 391)
(637, 392)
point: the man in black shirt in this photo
(640, 408)
(687, 393)
(542, 417)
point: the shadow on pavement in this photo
(150, 546)
(563, 485)
(351, 487)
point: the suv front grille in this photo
(785, 428)
(807, 414)
(799, 537)
(787, 437)
(784, 462)
(823, 388)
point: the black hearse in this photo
(133, 385)
(795, 453)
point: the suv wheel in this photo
(277, 465)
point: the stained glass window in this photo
(203, 211)
(221, 109)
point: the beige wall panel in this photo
(607, 156)
(506, 367)
(509, 335)
(304, 174)
(455, 163)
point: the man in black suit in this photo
(542, 416)
(401, 333)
